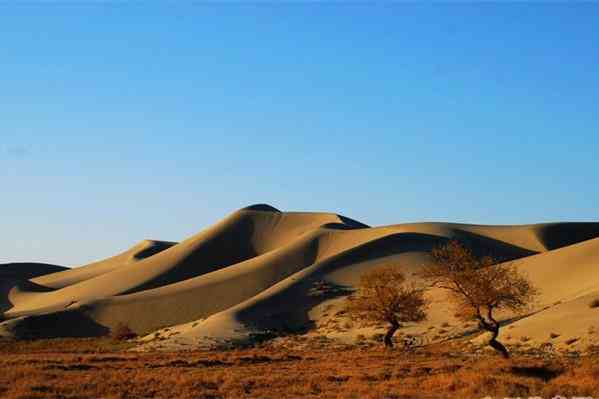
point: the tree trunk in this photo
(493, 328)
(389, 336)
(498, 346)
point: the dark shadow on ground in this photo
(541, 372)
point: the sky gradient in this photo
(121, 122)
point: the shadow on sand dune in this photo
(63, 324)
(266, 268)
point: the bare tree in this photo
(384, 297)
(479, 286)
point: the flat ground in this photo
(92, 368)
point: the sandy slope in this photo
(261, 269)
(12, 274)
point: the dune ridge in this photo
(260, 269)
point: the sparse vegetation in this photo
(93, 368)
(122, 332)
(479, 286)
(385, 297)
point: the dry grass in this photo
(101, 368)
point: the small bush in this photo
(546, 347)
(594, 303)
(122, 332)
(553, 335)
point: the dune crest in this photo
(260, 269)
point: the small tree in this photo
(384, 297)
(479, 286)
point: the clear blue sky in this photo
(121, 122)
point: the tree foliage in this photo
(385, 297)
(479, 286)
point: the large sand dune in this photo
(260, 270)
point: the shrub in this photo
(122, 332)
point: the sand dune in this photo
(13, 274)
(261, 269)
(25, 271)
(143, 250)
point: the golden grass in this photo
(92, 368)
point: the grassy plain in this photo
(104, 368)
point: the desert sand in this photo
(260, 271)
